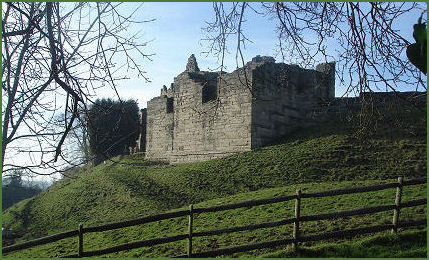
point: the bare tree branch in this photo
(54, 59)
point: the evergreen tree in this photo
(112, 127)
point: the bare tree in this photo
(362, 38)
(55, 56)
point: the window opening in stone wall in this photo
(209, 92)
(170, 105)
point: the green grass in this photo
(246, 216)
(319, 158)
(406, 244)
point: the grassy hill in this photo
(259, 214)
(328, 156)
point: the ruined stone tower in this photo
(192, 65)
(200, 116)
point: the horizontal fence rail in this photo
(362, 189)
(111, 226)
(251, 203)
(242, 248)
(132, 245)
(40, 241)
(328, 235)
(361, 211)
(136, 222)
(359, 231)
(244, 228)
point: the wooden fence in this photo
(296, 220)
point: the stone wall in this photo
(203, 117)
(210, 118)
(159, 129)
(284, 96)
(342, 106)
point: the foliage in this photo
(417, 52)
(14, 191)
(112, 127)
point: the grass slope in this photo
(247, 216)
(130, 186)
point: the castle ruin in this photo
(205, 115)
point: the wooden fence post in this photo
(296, 223)
(397, 204)
(191, 220)
(80, 241)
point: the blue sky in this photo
(177, 33)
